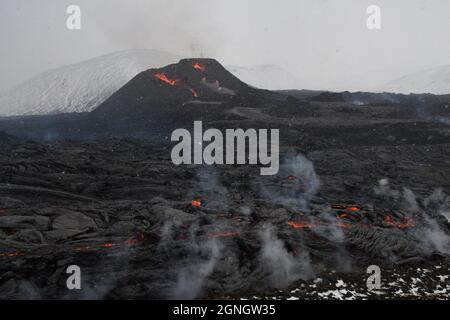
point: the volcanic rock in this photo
(75, 221)
(25, 222)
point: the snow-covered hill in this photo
(80, 87)
(270, 77)
(435, 80)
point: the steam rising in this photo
(210, 187)
(431, 215)
(281, 264)
(298, 192)
(384, 189)
(190, 279)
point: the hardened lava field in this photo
(363, 181)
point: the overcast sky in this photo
(322, 41)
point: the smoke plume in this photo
(282, 265)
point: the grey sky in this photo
(322, 41)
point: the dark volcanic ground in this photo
(364, 181)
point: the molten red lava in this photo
(175, 82)
(225, 234)
(107, 245)
(134, 241)
(194, 93)
(407, 223)
(163, 77)
(350, 207)
(10, 254)
(129, 242)
(299, 224)
(196, 203)
(199, 66)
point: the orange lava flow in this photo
(11, 254)
(107, 245)
(194, 93)
(199, 66)
(223, 234)
(407, 223)
(175, 82)
(196, 203)
(349, 207)
(299, 224)
(163, 77)
(129, 242)
(134, 241)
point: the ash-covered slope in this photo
(176, 95)
(156, 90)
(80, 87)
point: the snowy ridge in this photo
(80, 87)
(435, 80)
(83, 86)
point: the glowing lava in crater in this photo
(163, 77)
(175, 82)
(199, 66)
